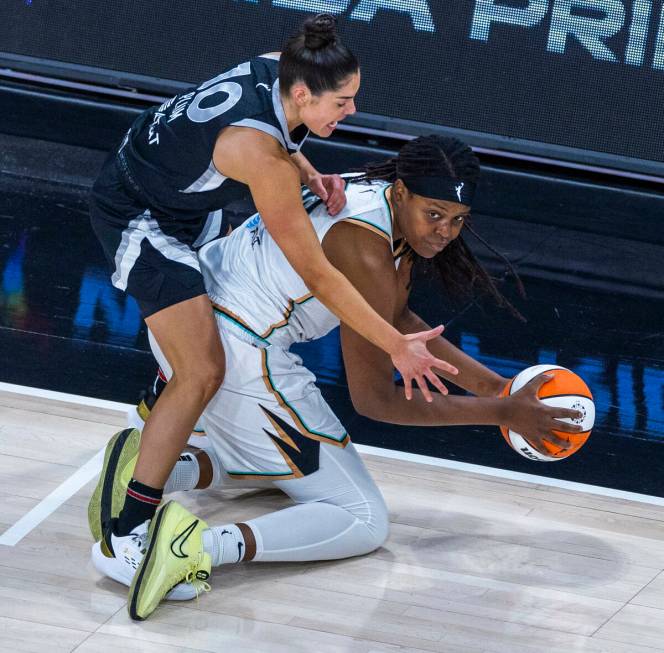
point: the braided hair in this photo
(461, 274)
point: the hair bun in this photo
(319, 31)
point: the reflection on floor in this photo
(63, 327)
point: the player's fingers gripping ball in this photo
(565, 390)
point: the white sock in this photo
(225, 544)
(184, 476)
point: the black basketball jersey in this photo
(167, 153)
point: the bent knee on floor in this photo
(376, 521)
(380, 525)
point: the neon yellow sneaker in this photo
(109, 496)
(174, 554)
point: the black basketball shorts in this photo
(151, 257)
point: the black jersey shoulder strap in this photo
(271, 118)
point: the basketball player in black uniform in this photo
(161, 196)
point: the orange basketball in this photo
(564, 390)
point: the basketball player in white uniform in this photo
(269, 424)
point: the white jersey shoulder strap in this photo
(366, 206)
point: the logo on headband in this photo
(441, 188)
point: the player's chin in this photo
(425, 250)
(325, 130)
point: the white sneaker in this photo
(129, 551)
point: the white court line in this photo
(53, 501)
(75, 482)
(510, 475)
(64, 397)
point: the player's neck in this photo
(396, 229)
(291, 112)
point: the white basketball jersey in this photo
(253, 286)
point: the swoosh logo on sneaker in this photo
(179, 541)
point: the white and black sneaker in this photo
(122, 558)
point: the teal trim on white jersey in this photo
(338, 439)
(236, 323)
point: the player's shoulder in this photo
(366, 192)
(265, 68)
(366, 206)
(365, 197)
(260, 90)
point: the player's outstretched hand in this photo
(535, 420)
(415, 362)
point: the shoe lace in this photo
(193, 575)
(198, 584)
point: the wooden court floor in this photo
(473, 564)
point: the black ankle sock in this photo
(141, 504)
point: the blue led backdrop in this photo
(575, 76)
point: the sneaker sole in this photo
(137, 583)
(108, 497)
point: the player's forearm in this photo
(473, 376)
(293, 231)
(392, 407)
(279, 203)
(334, 290)
(305, 168)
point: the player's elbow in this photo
(362, 407)
(370, 403)
(407, 322)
